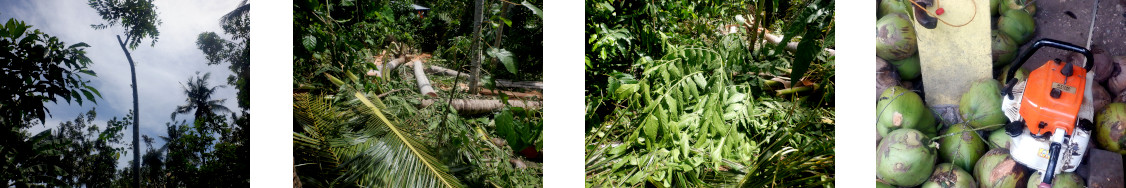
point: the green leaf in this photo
(737, 97)
(74, 93)
(505, 58)
(651, 127)
(309, 42)
(506, 127)
(88, 72)
(807, 49)
(626, 90)
(89, 96)
(80, 44)
(15, 28)
(700, 81)
(506, 21)
(534, 9)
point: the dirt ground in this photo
(1054, 20)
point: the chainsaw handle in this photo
(1050, 43)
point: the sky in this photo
(162, 70)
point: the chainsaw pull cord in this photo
(938, 3)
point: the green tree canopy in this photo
(36, 68)
(138, 17)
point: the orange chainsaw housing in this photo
(1039, 106)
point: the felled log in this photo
(527, 95)
(792, 46)
(499, 83)
(479, 106)
(381, 68)
(520, 84)
(483, 91)
(423, 82)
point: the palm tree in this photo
(199, 100)
(233, 21)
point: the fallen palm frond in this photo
(375, 152)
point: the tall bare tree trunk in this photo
(136, 118)
(475, 73)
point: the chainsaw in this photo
(1050, 112)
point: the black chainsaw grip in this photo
(1050, 43)
(1049, 173)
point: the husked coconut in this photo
(1117, 82)
(886, 76)
(1102, 98)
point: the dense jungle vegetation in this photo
(37, 68)
(417, 94)
(709, 93)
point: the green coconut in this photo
(1004, 49)
(947, 175)
(962, 149)
(892, 6)
(1006, 5)
(899, 108)
(1110, 128)
(905, 158)
(997, 169)
(1020, 75)
(1000, 139)
(908, 68)
(895, 37)
(993, 4)
(1018, 25)
(980, 106)
(1062, 180)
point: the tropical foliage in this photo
(360, 122)
(211, 151)
(39, 68)
(675, 98)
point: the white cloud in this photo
(160, 69)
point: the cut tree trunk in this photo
(520, 84)
(499, 83)
(528, 95)
(518, 95)
(445, 71)
(792, 46)
(423, 82)
(479, 106)
(383, 68)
